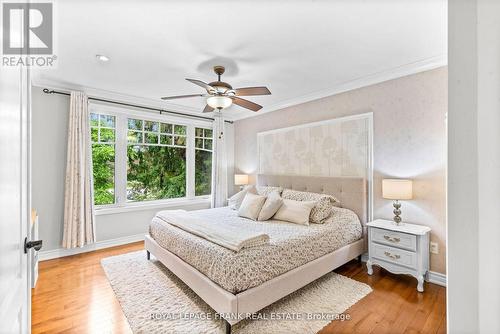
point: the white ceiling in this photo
(301, 50)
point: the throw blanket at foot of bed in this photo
(221, 234)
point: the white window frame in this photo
(121, 115)
(201, 149)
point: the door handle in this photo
(36, 244)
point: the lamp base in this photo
(397, 213)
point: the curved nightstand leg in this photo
(369, 267)
(420, 285)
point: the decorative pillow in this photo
(234, 202)
(271, 205)
(296, 212)
(266, 190)
(323, 207)
(251, 206)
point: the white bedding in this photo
(290, 246)
(221, 233)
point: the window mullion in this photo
(121, 160)
(190, 163)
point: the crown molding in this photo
(390, 74)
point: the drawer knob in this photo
(392, 256)
(392, 239)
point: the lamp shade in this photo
(240, 179)
(397, 189)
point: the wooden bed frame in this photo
(352, 194)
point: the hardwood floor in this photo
(73, 295)
(394, 306)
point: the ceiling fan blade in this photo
(246, 104)
(180, 96)
(202, 84)
(248, 91)
(208, 109)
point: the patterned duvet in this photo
(291, 246)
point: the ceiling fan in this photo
(221, 95)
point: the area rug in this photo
(154, 300)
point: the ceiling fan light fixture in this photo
(219, 102)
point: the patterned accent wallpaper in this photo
(338, 147)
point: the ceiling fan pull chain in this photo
(221, 126)
(220, 123)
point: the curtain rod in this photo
(51, 91)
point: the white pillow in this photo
(266, 190)
(323, 207)
(251, 206)
(296, 212)
(234, 202)
(271, 205)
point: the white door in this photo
(14, 200)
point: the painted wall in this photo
(49, 135)
(488, 48)
(409, 142)
(463, 207)
(474, 165)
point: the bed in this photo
(239, 283)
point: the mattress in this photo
(290, 246)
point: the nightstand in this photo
(400, 249)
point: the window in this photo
(156, 154)
(102, 130)
(142, 159)
(203, 161)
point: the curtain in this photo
(219, 170)
(79, 229)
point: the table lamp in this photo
(240, 180)
(397, 189)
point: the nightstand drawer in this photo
(394, 255)
(392, 238)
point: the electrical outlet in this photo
(434, 248)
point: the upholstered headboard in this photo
(352, 192)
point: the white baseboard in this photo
(432, 276)
(61, 252)
(436, 278)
